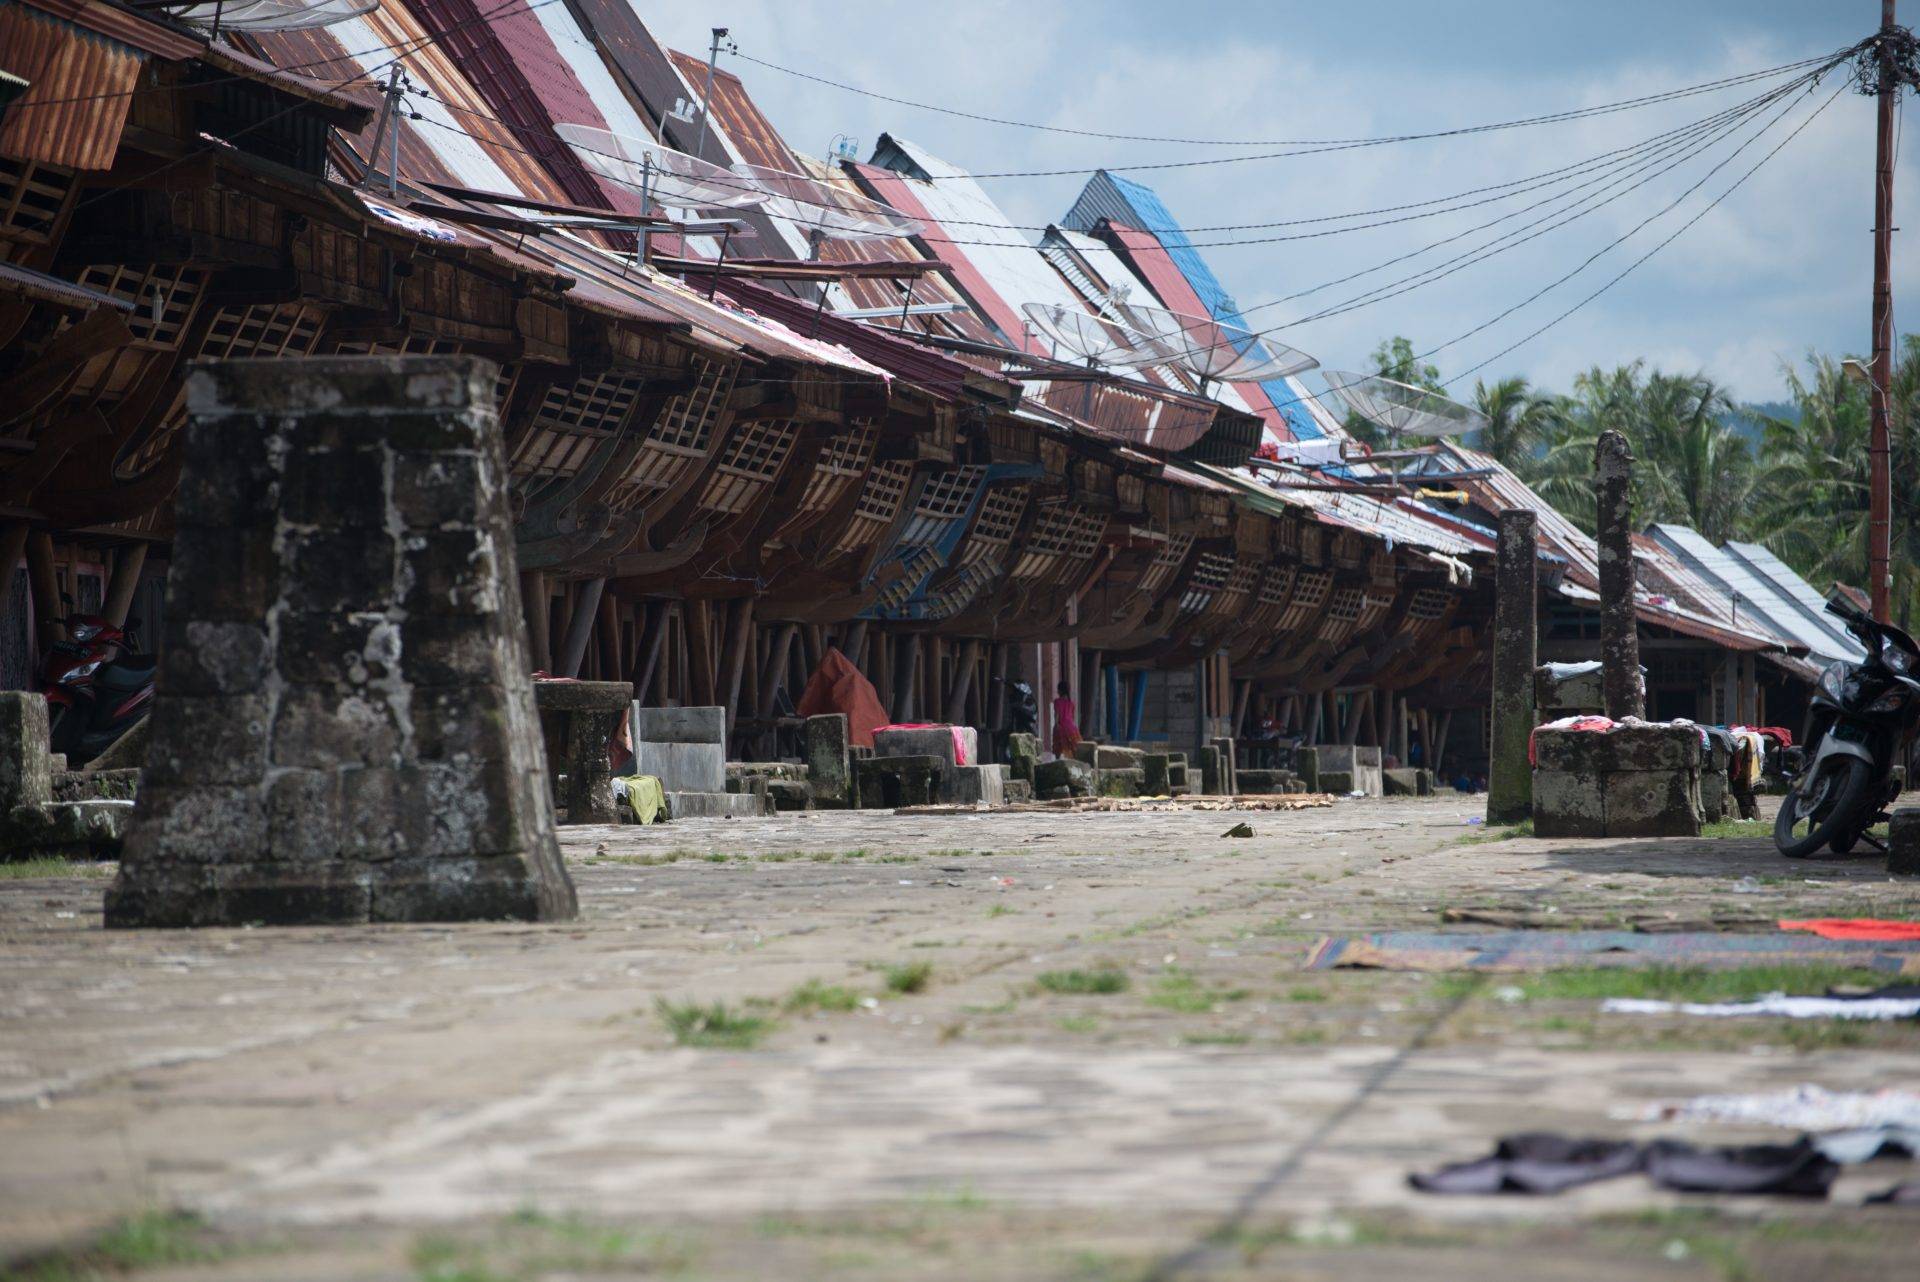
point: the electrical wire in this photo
(1579, 113)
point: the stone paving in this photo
(357, 1087)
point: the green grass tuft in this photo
(53, 866)
(909, 977)
(712, 1025)
(1489, 833)
(1084, 981)
(1692, 983)
(151, 1239)
(815, 995)
(1179, 990)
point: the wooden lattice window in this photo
(411, 345)
(878, 504)
(163, 298)
(949, 494)
(1341, 613)
(291, 329)
(1276, 585)
(688, 420)
(999, 519)
(1165, 562)
(1429, 604)
(840, 464)
(752, 460)
(597, 404)
(1209, 576)
(916, 565)
(32, 196)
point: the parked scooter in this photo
(1862, 725)
(96, 688)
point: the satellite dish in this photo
(273, 15)
(826, 211)
(667, 176)
(1402, 409)
(1092, 339)
(1218, 351)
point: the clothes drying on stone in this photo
(1803, 1108)
(1865, 1006)
(838, 686)
(1545, 1163)
(1865, 1143)
(1534, 1164)
(1906, 1193)
(1873, 928)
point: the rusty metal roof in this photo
(78, 92)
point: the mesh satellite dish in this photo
(826, 211)
(1402, 409)
(1217, 351)
(666, 176)
(1093, 340)
(272, 15)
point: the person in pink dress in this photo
(1066, 731)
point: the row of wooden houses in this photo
(736, 453)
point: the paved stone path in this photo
(401, 1078)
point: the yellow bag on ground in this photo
(643, 795)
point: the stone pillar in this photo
(345, 728)
(578, 722)
(828, 776)
(1515, 644)
(1619, 628)
(1903, 842)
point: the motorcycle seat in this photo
(127, 674)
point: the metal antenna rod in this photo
(706, 94)
(646, 195)
(387, 113)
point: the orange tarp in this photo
(837, 686)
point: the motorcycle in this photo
(1862, 725)
(96, 689)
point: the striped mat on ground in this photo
(1523, 950)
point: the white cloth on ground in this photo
(1774, 1004)
(1803, 1108)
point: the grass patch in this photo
(1489, 833)
(532, 1244)
(1738, 828)
(712, 1026)
(54, 866)
(1304, 994)
(999, 910)
(1078, 1024)
(151, 1239)
(814, 995)
(1691, 983)
(1179, 990)
(1215, 1039)
(909, 977)
(1102, 981)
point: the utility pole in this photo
(706, 94)
(1880, 479)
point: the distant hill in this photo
(1746, 418)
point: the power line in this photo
(1623, 105)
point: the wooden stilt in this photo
(44, 582)
(774, 676)
(962, 682)
(652, 636)
(127, 564)
(699, 621)
(739, 642)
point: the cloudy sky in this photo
(1782, 265)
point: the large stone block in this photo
(26, 770)
(1023, 754)
(829, 774)
(887, 783)
(1306, 763)
(1110, 757)
(681, 725)
(334, 748)
(584, 717)
(1401, 782)
(1652, 803)
(969, 785)
(1358, 762)
(683, 767)
(1903, 842)
(1073, 776)
(1157, 773)
(1569, 803)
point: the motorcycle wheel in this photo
(1828, 809)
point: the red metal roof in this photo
(78, 89)
(1151, 262)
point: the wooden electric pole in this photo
(1880, 481)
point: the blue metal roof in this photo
(1123, 200)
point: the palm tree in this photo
(1520, 422)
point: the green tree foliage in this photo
(1802, 491)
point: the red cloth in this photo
(1857, 928)
(1595, 725)
(1778, 734)
(1066, 731)
(959, 737)
(837, 686)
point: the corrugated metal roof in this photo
(1811, 605)
(740, 129)
(1010, 266)
(1749, 596)
(1133, 204)
(78, 90)
(52, 289)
